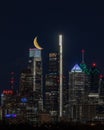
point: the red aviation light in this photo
(101, 76)
(12, 81)
(94, 64)
(12, 73)
(83, 50)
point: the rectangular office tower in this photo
(78, 85)
(31, 86)
(52, 85)
(35, 61)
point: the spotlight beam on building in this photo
(60, 76)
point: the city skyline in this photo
(81, 25)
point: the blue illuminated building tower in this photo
(78, 82)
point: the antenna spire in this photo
(83, 51)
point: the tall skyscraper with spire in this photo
(83, 65)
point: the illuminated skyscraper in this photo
(26, 82)
(52, 85)
(31, 87)
(35, 61)
(78, 82)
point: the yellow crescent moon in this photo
(36, 44)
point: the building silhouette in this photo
(94, 78)
(31, 86)
(52, 85)
(82, 98)
(78, 84)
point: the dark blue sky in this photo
(80, 22)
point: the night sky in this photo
(80, 22)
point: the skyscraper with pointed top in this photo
(83, 65)
(78, 82)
